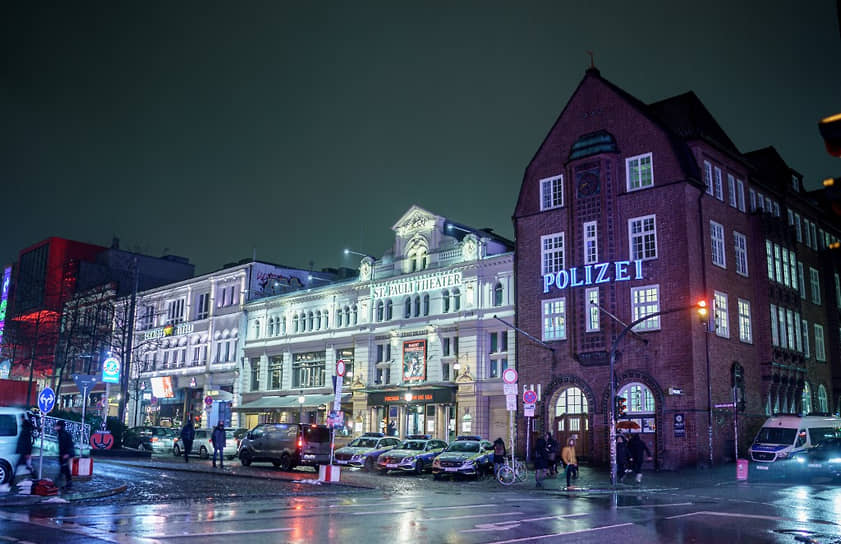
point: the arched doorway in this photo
(640, 415)
(572, 420)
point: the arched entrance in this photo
(572, 420)
(640, 415)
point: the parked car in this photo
(203, 447)
(824, 460)
(154, 439)
(11, 422)
(363, 452)
(783, 436)
(415, 454)
(468, 455)
(286, 445)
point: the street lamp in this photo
(352, 252)
(451, 226)
(408, 397)
(301, 400)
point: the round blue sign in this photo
(46, 400)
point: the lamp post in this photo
(611, 405)
(451, 226)
(408, 397)
(301, 400)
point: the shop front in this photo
(405, 411)
(295, 408)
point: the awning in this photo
(264, 404)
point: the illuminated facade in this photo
(416, 330)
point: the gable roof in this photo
(687, 117)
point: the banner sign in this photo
(414, 361)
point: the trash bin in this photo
(742, 469)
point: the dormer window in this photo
(417, 255)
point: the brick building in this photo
(629, 209)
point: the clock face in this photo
(588, 184)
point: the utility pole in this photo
(128, 337)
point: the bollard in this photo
(741, 469)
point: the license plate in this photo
(341, 462)
(391, 465)
(450, 469)
(814, 465)
(761, 467)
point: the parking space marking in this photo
(749, 516)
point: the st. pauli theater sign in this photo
(593, 274)
(419, 284)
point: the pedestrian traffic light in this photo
(703, 311)
(621, 407)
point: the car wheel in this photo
(285, 462)
(203, 453)
(419, 466)
(176, 451)
(369, 464)
(245, 458)
(5, 472)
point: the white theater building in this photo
(422, 332)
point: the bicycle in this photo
(508, 474)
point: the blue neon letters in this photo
(593, 274)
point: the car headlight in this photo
(408, 459)
(782, 454)
(800, 459)
(356, 457)
(468, 463)
(834, 460)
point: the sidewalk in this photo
(83, 488)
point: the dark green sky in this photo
(302, 128)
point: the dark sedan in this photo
(824, 460)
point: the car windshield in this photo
(464, 446)
(829, 444)
(364, 443)
(160, 431)
(316, 434)
(412, 445)
(776, 435)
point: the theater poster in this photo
(414, 361)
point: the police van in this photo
(783, 435)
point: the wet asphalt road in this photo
(170, 506)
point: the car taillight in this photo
(300, 443)
(154, 439)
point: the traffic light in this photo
(621, 407)
(703, 311)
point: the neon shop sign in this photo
(593, 274)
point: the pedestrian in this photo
(638, 452)
(66, 451)
(218, 440)
(188, 433)
(24, 446)
(570, 460)
(499, 455)
(621, 457)
(551, 454)
(540, 461)
(392, 430)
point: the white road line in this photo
(554, 535)
(422, 509)
(657, 505)
(227, 533)
(560, 516)
(729, 515)
(471, 517)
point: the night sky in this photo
(212, 130)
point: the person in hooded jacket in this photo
(24, 445)
(218, 441)
(188, 434)
(66, 451)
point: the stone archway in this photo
(648, 381)
(574, 422)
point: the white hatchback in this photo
(11, 423)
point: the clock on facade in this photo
(588, 184)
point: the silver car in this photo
(203, 447)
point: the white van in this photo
(11, 423)
(782, 436)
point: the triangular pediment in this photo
(414, 220)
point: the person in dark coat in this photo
(218, 440)
(188, 434)
(638, 452)
(621, 457)
(540, 461)
(551, 454)
(499, 454)
(66, 451)
(24, 446)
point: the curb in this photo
(29, 500)
(95, 494)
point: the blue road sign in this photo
(46, 400)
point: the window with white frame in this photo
(552, 192)
(554, 319)
(791, 326)
(175, 311)
(552, 253)
(639, 172)
(823, 399)
(745, 328)
(797, 332)
(798, 228)
(591, 242)
(719, 185)
(775, 335)
(820, 348)
(722, 318)
(837, 290)
(642, 236)
(645, 301)
(752, 194)
(801, 276)
(815, 285)
(203, 306)
(806, 399)
(640, 399)
(806, 350)
(813, 230)
(275, 372)
(591, 296)
(731, 190)
(781, 320)
(740, 244)
(708, 177)
(717, 244)
(740, 193)
(383, 363)
(498, 354)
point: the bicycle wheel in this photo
(506, 475)
(520, 471)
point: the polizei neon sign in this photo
(593, 274)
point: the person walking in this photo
(638, 452)
(570, 460)
(499, 454)
(218, 440)
(621, 457)
(188, 434)
(540, 461)
(552, 455)
(24, 445)
(66, 451)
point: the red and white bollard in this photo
(81, 467)
(329, 473)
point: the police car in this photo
(363, 452)
(468, 455)
(415, 454)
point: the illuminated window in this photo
(815, 284)
(552, 253)
(719, 186)
(806, 399)
(740, 243)
(552, 192)
(591, 298)
(591, 243)
(820, 348)
(639, 172)
(642, 234)
(745, 328)
(554, 319)
(571, 401)
(639, 398)
(717, 244)
(645, 301)
(823, 399)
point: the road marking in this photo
(471, 517)
(657, 505)
(750, 516)
(554, 535)
(227, 533)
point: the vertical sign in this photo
(111, 370)
(414, 361)
(4, 297)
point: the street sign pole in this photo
(41, 449)
(46, 402)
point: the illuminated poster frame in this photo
(4, 298)
(414, 361)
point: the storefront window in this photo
(275, 372)
(308, 369)
(346, 355)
